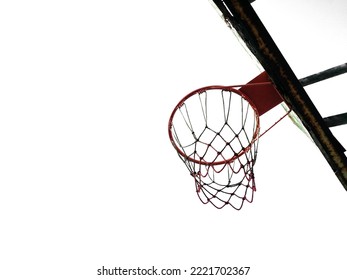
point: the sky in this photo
(88, 176)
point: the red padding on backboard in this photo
(264, 95)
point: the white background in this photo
(88, 176)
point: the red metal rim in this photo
(198, 91)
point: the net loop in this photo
(215, 131)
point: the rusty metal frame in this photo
(243, 18)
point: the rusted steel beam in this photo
(242, 17)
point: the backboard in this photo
(242, 17)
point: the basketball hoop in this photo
(215, 131)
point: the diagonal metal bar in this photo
(323, 75)
(242, 17)
(336, 120)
